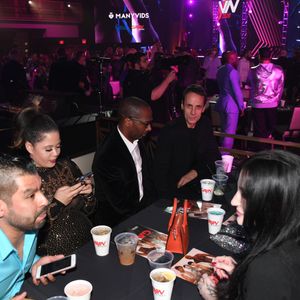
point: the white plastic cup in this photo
(162, 290)
(215, 218)
(228, 160)
(101, 237)
(207, 189)
(78, 290)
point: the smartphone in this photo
(58, 266)
(84, 177)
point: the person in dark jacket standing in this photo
(14, 80)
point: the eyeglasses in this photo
(145, 123)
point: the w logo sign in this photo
(225, 5)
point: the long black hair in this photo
(30, 126)
(269, 183)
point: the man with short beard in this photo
(22, 212)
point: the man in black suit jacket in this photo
(121, 167)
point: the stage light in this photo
(250, 11)
(30, 2)
(83, 41)
(191, 2)
(280, 22)
(69, 5)
(190, 16)
(61, 42)
(218, 24)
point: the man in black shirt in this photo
(186, 149)
(138, 82)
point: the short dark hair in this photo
(31, 125)
(264, 53)
(195, 88)
(137, 57)
(131, 107)
(10, 168)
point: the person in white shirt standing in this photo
(211, 64)
(267, 83)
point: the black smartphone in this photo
(84, 177)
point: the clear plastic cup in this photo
(160, 259)
(219, 164)
(221, 180)
(126, 243)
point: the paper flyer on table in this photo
(198, 209)
(193, 265)
(149, 239)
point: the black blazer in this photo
(116, 182)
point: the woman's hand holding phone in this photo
(65, 194)
(87, 187)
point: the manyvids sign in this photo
(225, 5)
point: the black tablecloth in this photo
(112, 281)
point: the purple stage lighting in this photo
(191, 2)
(190, 16)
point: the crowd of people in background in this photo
(77, 71)
(156, 87)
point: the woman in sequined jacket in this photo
(70, 202)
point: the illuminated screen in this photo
(128, 21)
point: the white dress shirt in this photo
(134, 150)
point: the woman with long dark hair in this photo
(71, 202)
(268, 206)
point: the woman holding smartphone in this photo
(71, 201)
(268, 206)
